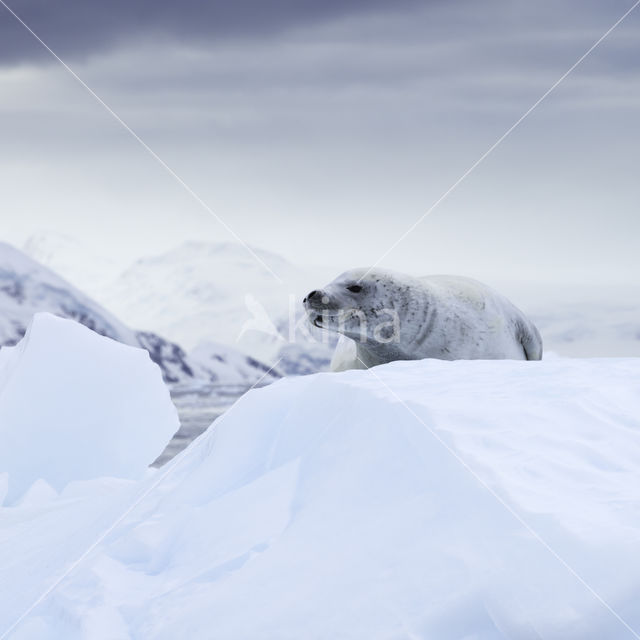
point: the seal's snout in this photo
(317, 300)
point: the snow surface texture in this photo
(27, 287)
(386, 503)
(75, 405)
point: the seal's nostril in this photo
(312, 295)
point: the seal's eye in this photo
(355, 288)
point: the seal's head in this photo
(364, 305)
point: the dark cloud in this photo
(80, 27)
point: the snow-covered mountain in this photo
(217, 292)
(205, 292)
(27, 287)
(208, 291)
(89, 270)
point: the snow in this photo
(198, 291)
(86, 267)
(587, 320)
(27, 287)
(203, 292)
(75, 405)
(430, 499)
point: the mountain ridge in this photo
(27, 287)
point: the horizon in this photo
(43, 241)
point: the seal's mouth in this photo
(323, 320)
(326, 320)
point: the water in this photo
(198, 407)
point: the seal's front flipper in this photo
(345, 356)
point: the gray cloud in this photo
(347, 125)
(80, 27)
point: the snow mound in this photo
(431, 499)
(75, 405)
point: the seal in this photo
(388, 316)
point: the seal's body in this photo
(391, 316)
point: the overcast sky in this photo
(323, 130)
